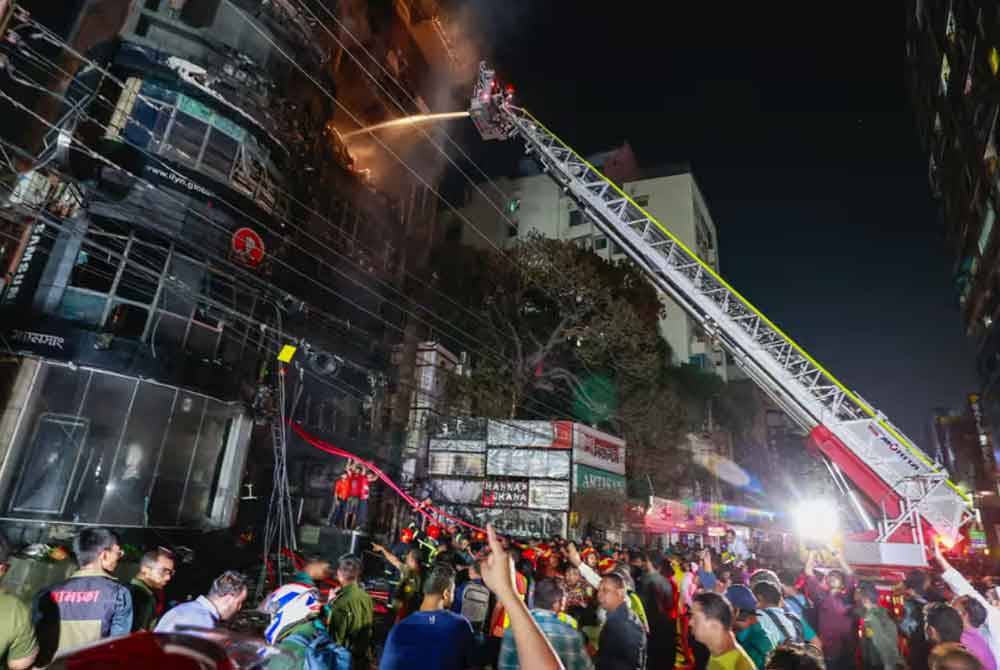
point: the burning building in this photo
(178, 206)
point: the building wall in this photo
(674, 199)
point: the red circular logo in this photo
(248, 247)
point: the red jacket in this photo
(343, 488)
(357, 484)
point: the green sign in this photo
(592, 478)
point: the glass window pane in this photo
(93, 269)
(52, 456)
(143, 123)
(106, 408)
(187, 278)
(139, 279)
(202, 340)
(176, 459)
(186, 137)
(83, 307)
(124, 497)
(127, 320)
(168, 331)
(220, 152)
(207, 457)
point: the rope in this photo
(416, 504)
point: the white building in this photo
(670, 194)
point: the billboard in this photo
(543, 463)
(541, 434)
(598, 450)
(471, 446)
(458, 491)
(516, 522)
(548, 494)
(588, 478)
(505, 493)
(456, 464)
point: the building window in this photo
(576, 218)
(616, 249)
(702, 231)
(600, 243)
(97, 454)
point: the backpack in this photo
(799, 633)
(321, 652)
(476, 604)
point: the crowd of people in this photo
(480, 601)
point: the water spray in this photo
(406, 121)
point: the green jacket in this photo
(879, 642)
(351, 620)
(143, 605)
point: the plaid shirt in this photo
(565, 640)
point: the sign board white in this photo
(548, 434)
(598, 450)
(456, 464)
(471, 446)
(548, 494)
(505, 493)
(545, 463)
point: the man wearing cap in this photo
(749, 633)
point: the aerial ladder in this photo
(907, 499)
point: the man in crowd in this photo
(366, 491)
(296, 627)
(622, 644)
(795, 657)
(18, 646)
(960, 586)
(90, 605)
(351, 618)
(943, 624)
(657, 595)
(879, 635)
(781, 626)
(472, 600)
(973, 617)
(156, 569)
(433, 638)
(712, 625)
(341, 492)
(355, 485)
(224, 600)
(834, 598)
(550, 601)
(749, 633)
(952, 656)
(315, 571)
(912, 624)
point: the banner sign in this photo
(456, 464)
(548, 434)
(597, 449)
(458, 428)
(543, 463)
(505, 493)
(457, 491)
(469, 446)
(588, 478)
(519, 523)
(548, 494)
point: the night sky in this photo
(801, 136)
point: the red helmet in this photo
(406, 535)
(434, 531)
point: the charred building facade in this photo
(178, 205)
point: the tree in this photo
(544, 324)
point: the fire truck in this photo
(903, 499)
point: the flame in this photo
(406, 121)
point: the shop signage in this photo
(29, 267)
(457, 491)
(548, 434)
(543, 463)
(597, 449)
(470, 446)
(43, 339)
(588, 478)
(248, 247)
(505, 493)
(548, 494)
(456, 464)
(525, 523)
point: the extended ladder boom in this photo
(906, 487)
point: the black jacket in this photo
(622, 642)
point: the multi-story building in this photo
(184, 210)
(536, 204)
(952, 67)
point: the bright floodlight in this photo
(817, 520)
